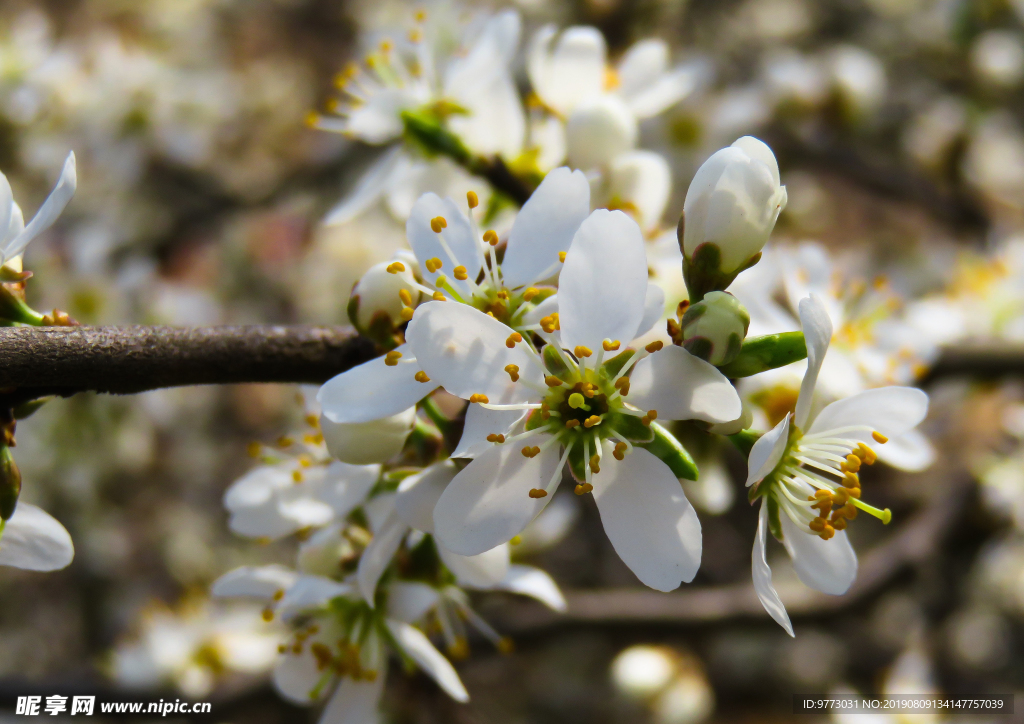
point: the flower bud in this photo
(375, 307)
(599, 131)
(365, 443)
(730, 210)
(713, 328)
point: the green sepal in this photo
(10, 483)
(578, 462)
(744, 440)
(630, 427)
(701, 347)
(774, 523)
(425, 130)
(7, 274)
(27, 409)
(13, 309)
(613, 366)
(766, 353)
(703, 270)
(381, 330)
(534, 420)
(553, 362)
(670, 451)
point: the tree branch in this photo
(40, 361)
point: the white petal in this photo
(458, 235)
(767, 452)
(641, 180)
(654, 308)
(574, 71)
(762, 575)
(911, 451)
(48, 212)
(355, 702)
(370, 186)
(483, 570)
(829, 566)
(409, 601)
(481, 422)
(7, 207)
(642, 65)
(373, 390)
(261, 582)
(364, 443)
(378, 554)
(418, 494)
(419, 649)
(463, 349)
(648, 519)
(760, 151)
(488, 502)
(817, 329)
(34, 540)
(346, 486)
(296, 677)
(668, 89)
(681, 386)
(300, 507)
(598, 131)
(545, 226)
(257, 487)
(309, 593)
(892, 411)
(603, 283)
(535, 583)
(267, 520)
(379, 119)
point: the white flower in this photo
(339, 642)
(792, 464)
(297, 489)
(366, 443)
(580, 414)
(470, 90)
(733, 202)
(14, 233)
(449, 250)
(34, 540)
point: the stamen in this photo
(552, 381)
(460, 273)
(392, 357)
(531, 452)
(654, 346)
(395, 267)
(472, 199)
(439, 297)
(610, 345)
(421, 376)
(582, 351)
(620, 450)
(591, 421)
(561, 256)
(583, 488)
(879, 437)
(438, 223)
(513, 339)
(513, 372)
(530, 293)
(496, 437)
(491, 237)
(407, 313)
(477, 397)
(538, 493)
(570, 424)
(405, 296)
(433, 264)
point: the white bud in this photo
(733, 202)
(365, 443)
(378, 291)
(714, 328)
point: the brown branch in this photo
(39, 361)
(916, 542)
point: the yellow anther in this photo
(491, 315)
(839, 497)
(866, 454)
(838, 523)
(583, 488)
(854, 492)
(477, 397)
(653, 414)
(491, 237)
(472, 199)
(304, 461)
(531, 452)
(407, 313)
(620, 450)
(646, 421)
(821, 495)
(433, 264)
(254, 449)
(582, 351)
(552, 381)
(550, 323)
(530, 293)
(285, 441)
(312, 421)
(459, 648)
(515, 540)
(406, 298)
(460, 273)
(322, 654)
(505, 644)
(827, 532)
(421, 376)
(595, 464)
(420, 16)
(415, 35)
(851, 465)
(268, 614)
(576, 401)
(879, 437)
(439, 297)
(654, 346)
(502, 294)
(561, 256)
(312, 119)
(297, 476)
(591, 421)
(817, 525)
(610, 345)
(385, 46)
(438, 223)
(570, 424)
(279, 594)
(513, 372)
(513, 340)
(850, 480)
(395, 267)
(392, 357)
(538, 493)
(496, 437)
(281, 648)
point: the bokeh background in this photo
(898, 127)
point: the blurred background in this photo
(898, 127)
